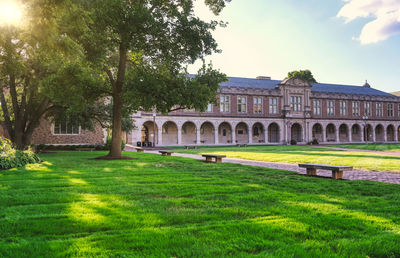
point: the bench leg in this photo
(168, 154)
(218, 160)
(337, 174)
(311, 171)
(208, 159)
(164, 154)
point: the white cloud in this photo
(385, 14)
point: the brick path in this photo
(386, 177)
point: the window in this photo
(295, 103)
(223, 132)
(390, 110)
(379, 109)
(343, 108)
(258, 103)
(273, 106)
(367, 109)
(63, 127)
(356, 108)
(317, 107)
(331, 108)
(398, 111)
(209, 108)
(225, 102)
(241, 104)
(240, 131)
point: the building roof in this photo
(316, 87)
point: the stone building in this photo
(265, 111)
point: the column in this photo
(362, 129)
(373, 135)
(159, 137)
(215, 135)
(250, 135)
(266, 133)
(350, 134)
(384, 134)
(233, 136)
(197, 135)
(396, 139)
(179, 135)
(337, 134)
(307, 132)
(323, 133)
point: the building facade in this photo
(265, 111)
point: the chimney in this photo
(263, 78)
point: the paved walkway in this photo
(387, 153)
(349, 175)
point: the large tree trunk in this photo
(115, 151)
(116, 140)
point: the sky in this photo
(340, 41)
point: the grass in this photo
(305, 154)
(74, 206)
(395, 147)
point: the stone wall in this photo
(44, 135)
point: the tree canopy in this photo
(303, 74)
(82, 60)
(31, 56)
(141, 50)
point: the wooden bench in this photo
(85, 149)
(241, 145)
(337, 171)
(210, 157)
(187, 147)
(139, 149)
(166, 152)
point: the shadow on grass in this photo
(173, 206)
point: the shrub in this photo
(293, 142)
(12, 158)
(108, 143)
(315, 141)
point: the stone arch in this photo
(258, 133)
(356, 133)
(379, 133)
(331, 133)
(148, 134)
(317, 132)
(390, 133)
(296, 132)
(169, 133)
(274, 133)
(189, 133)
(224, 133)
(242, 133)
(368, 133)
(207, 133)
(343, 133)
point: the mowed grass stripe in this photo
(171, 206)
(305, 154)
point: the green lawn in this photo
(304, 154)
(377, 147)
(157, 206)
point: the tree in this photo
(31, 57)
(142, 48)
(303, 74)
